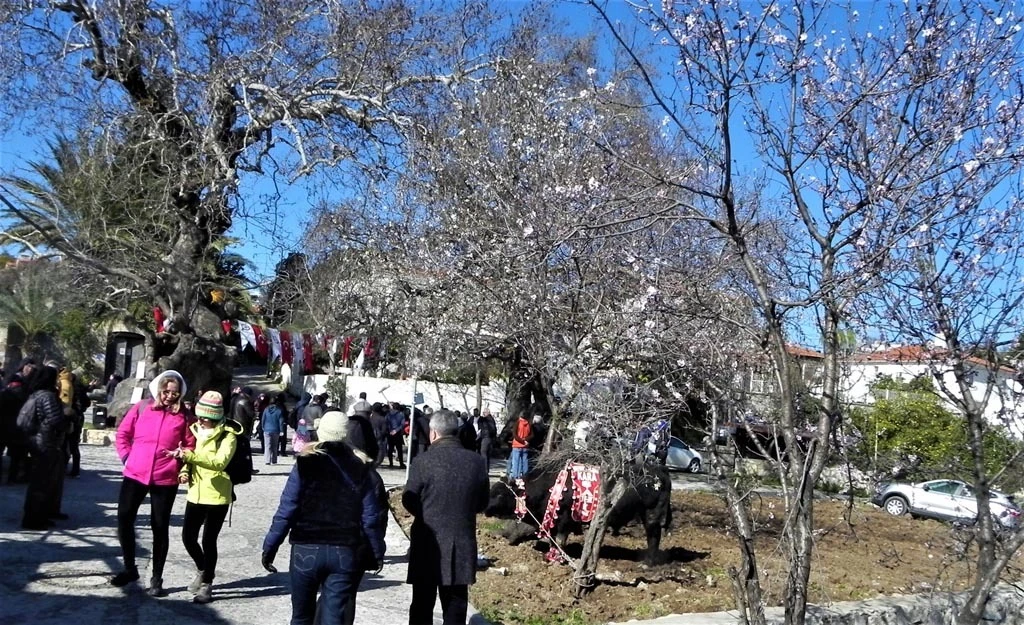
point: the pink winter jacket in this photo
(144, 434)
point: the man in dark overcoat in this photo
(447, 488)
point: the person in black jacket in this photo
(12, 398)
(44, 423)
(447, 488)
(360, 435)
(486, 433)
(419, 430)
(334, 509)
(379, 422)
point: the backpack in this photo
(239, 468)
(27, 421)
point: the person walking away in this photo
(315, 410)
(151, 427)
(45, 426)
(487, 431)
(258, 406)
(519, 463)
(419, 435)
(334, 511)
(379, 423)
(242, 411)
(359, 434)
(273, 424)
(361, 404)
(209, 488)
(447, 488)
(396, 435)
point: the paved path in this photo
(59, 577)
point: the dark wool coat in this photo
(447, 487)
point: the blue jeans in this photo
(330, 569)
(270, 447)
(519, 462)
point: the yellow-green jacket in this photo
(208, 483)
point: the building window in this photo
(761, 383)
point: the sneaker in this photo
(156, 587)
(205, 594)
(196, 582)
(125, 577)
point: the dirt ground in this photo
(859, 555)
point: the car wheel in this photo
(896, 506)
(694, 466)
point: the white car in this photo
(946, 500)
(683, 457)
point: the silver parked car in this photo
(682, 457)
(946, 500)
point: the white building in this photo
(1005, 403)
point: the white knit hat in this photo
(332, 427)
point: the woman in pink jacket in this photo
(150, 428)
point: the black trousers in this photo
(485, 452)
(161, 501)
(45, 487)
(395, 444)
(20, 463)
(211, 519)
(76, 455)
(454, 604)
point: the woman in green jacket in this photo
(209, 488)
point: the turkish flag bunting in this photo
(307, 352)
(286, 347)
(159, 319)
(261, 341)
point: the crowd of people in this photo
(333, 506)
(42, 408)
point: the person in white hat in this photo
(333, 509)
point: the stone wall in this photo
(1006, 607)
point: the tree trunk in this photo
(613, 487)
(206, 364)
(479, 389)
(519, 393)
(746, 583)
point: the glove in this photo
(380, 566)
(268, 560)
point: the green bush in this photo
(913, 428)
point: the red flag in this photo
(286, 347)
(261, 341)
(158, 318)
(226, 326)
(368, 349)
(307, 352)
(346, 348)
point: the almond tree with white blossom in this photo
(842, 120)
